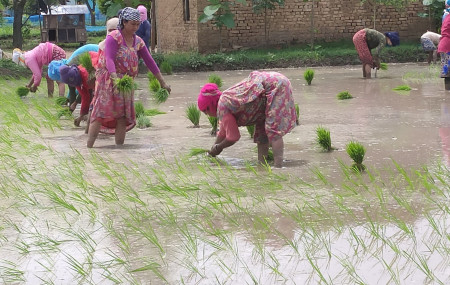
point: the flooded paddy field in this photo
(148, 213)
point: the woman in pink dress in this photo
(113, 112)
(35, 60)
(264, 99)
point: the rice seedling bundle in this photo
(64, 112)
(356, 151)
(154, 85)
(308, 75)
(323, 138)
(161, 95)
(143, 122)
(22, 91)
(402, 88)
(214, 78)
(61, 101)
(125, 84)
(86, 61)
(196, 151)
(297, 112)
(139, 109)
(344, 95)
(251, 130)
(213, 121)
(193, 114)
(150, 76)
(166, 67)
(153, 112)
(383, 66)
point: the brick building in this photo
(178, 28)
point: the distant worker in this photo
(145, 28)
(430, 41)
(444, 51)
(367, 39)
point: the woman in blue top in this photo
(145, 28)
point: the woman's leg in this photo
(263, 151)
(62, 89)
(50, 87)
(368, 71)
(121, 127)
(94, 129)
(278, 152)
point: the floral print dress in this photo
(108, 103)
(265, 100)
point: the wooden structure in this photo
(65, 24)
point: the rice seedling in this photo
(166, 67)
(22, 91)
(154, 85)
(153, 112)
(86, 61)
(125, 84)
(297, 112)
(213, 121)
(214, 78)
(143, 122)
(402, 88)
(161, 95)
(139, 109)
(323, 138)
(308, 75)
(193, 114)
(251, 130)
(150, 76)
(196, 151)
(383, 66)
(356, 151)
(344, 95)
(61, 101)
(64, 112)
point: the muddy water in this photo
(411, 128)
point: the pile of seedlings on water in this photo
(356, 151)
(308, 75)
(139, 109)
(166, 68)
(383, 66)
(324, 138)
(197, 151)
(213, 121)
(142, 121)
(402, 88)
(216, 79)
(344, 95)
(297, 112)
(22, 91)
(193, 114)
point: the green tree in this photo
(399, 4)
(433, 12)
(261, 6)
(111, 7)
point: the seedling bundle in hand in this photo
(383, 66)
(196, 151)
(22, 91)
(125, 85)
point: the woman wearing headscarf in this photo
(145, 28)
(367, 39)
(444, 50)
(35, 60)
(113, 113)
(429, 42)
(264, 99)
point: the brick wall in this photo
(289, 24)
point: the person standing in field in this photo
(263, 99)
(145, 28)
(430, 41)
(365, 41)
(112, 112)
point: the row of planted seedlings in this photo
(179, 220)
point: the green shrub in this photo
(309, 76)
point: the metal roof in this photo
(68, 9)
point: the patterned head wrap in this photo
(143, 12)
(129, 14)
(209, 96)
(394, 37)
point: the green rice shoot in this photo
(166, 67)
(214, 122)
(154, 85)
(161, 95)
(323, 138)
(64, 112)
(61, 101)
(151, 76)
(153, 112)
(344, 95)
(125, 84)
(356, 151)
(214, 78)
(143, 122)
(86, 61)
(297, 112)
(383, 66)
(139, 109)
(251, 130)
(402, 88)
(197, 151)
(193, 114)
(22, 91)
(308, 75)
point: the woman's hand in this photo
(215, 150)
(33, 88)
(166, 86)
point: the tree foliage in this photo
(111, 7)
(434, 11)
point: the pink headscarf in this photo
(209, 96)
(143, 12)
